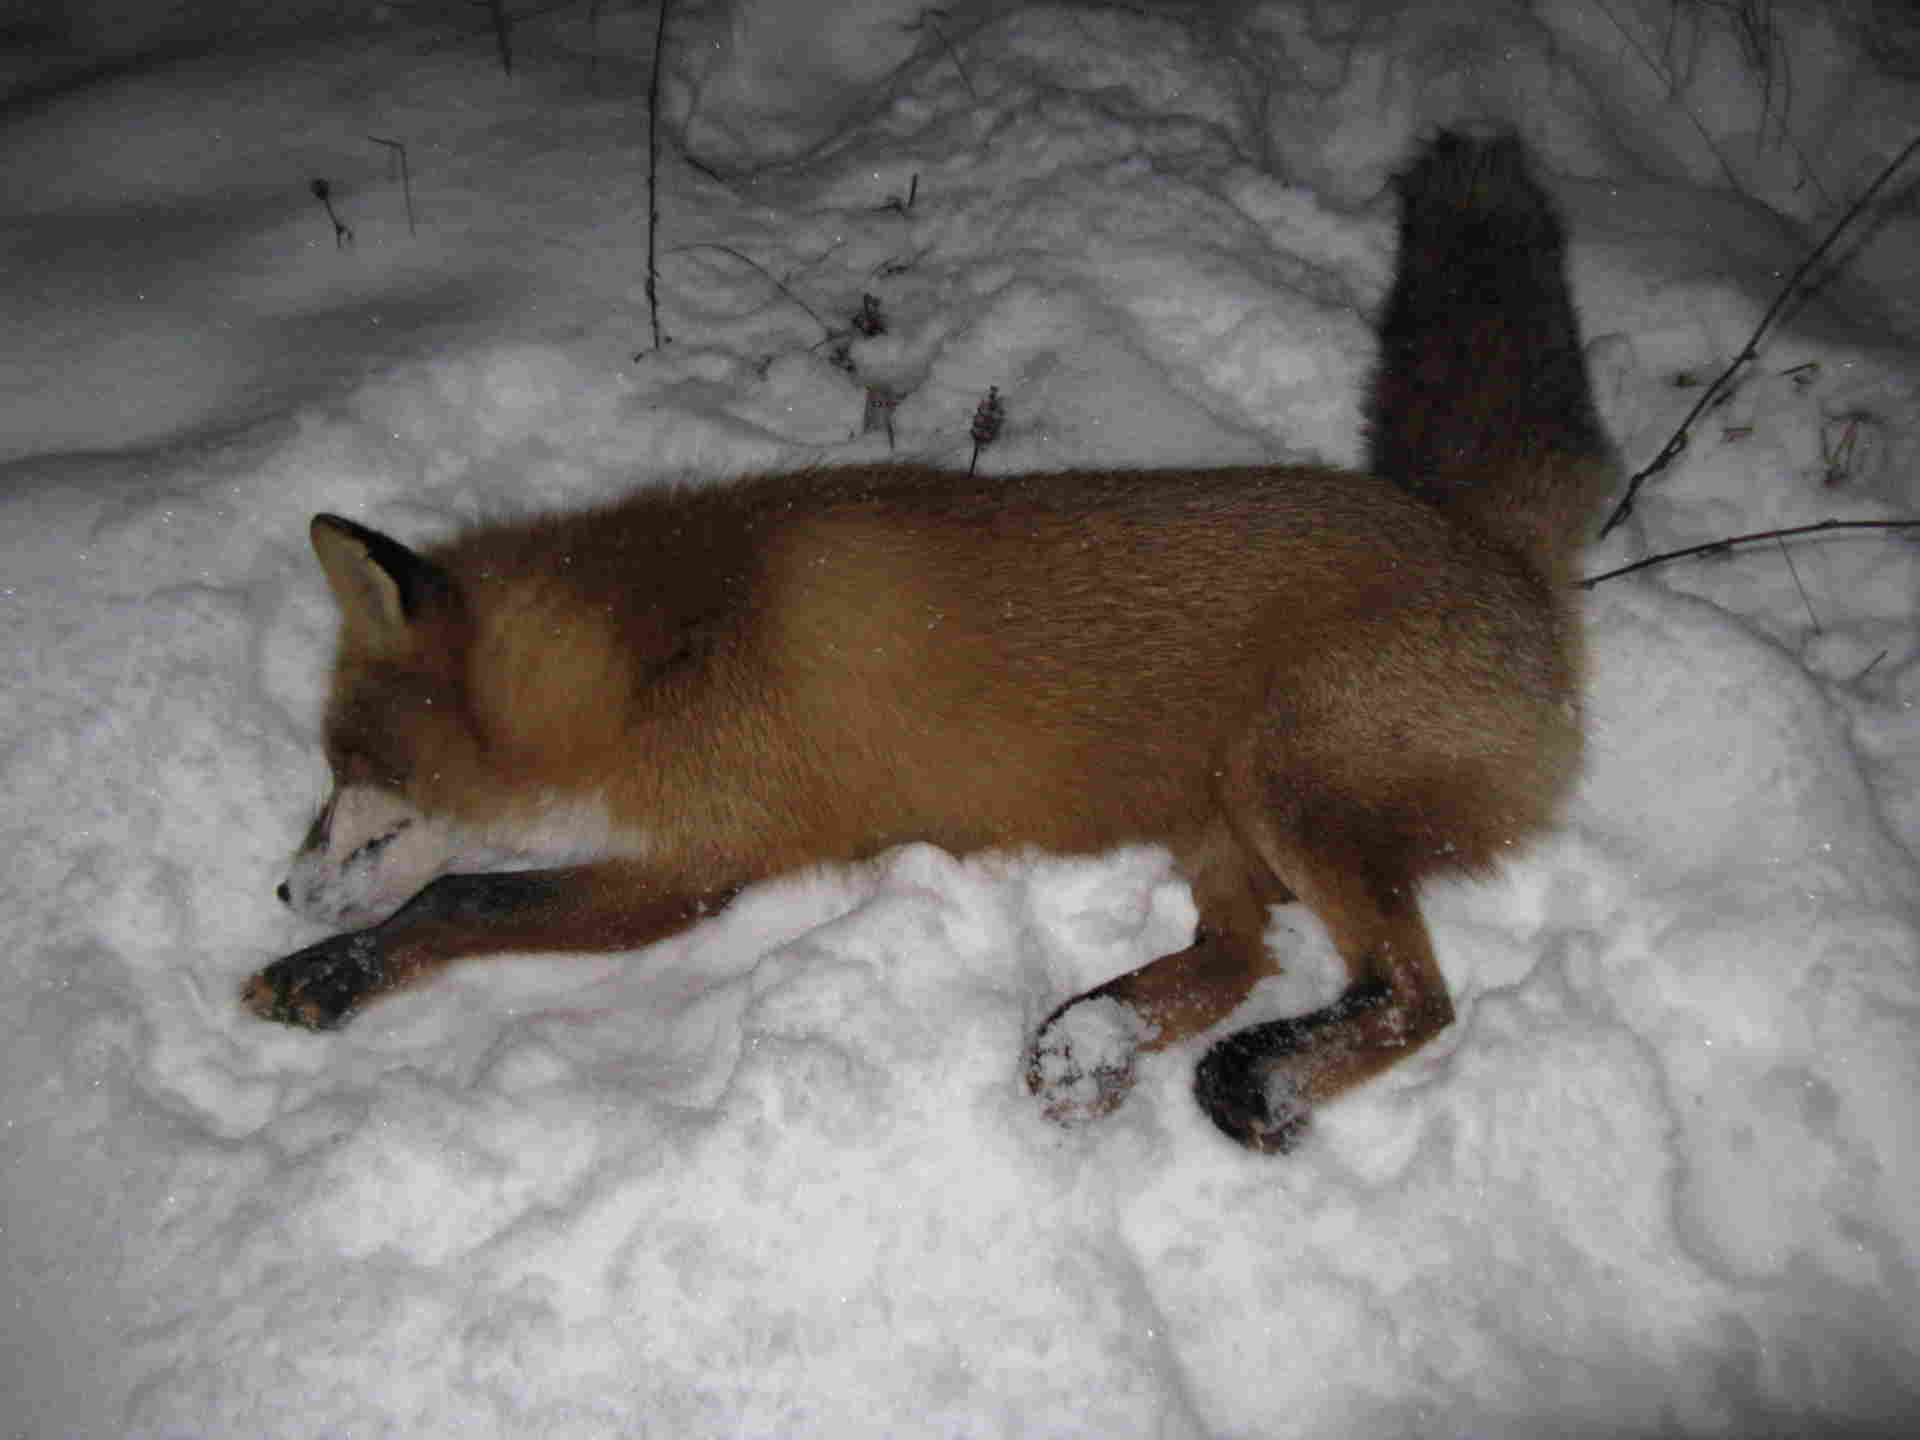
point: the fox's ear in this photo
(382, 587)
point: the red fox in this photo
(1309, 684)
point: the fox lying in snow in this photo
(1307, 683)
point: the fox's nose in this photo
(286, 895)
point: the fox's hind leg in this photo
(1421, 741)
(1081, 1060)
(1260, 1084)
(1422, 728)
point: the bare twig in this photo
(1673, 92)
(653, 176)
(399, 151)
(1721, 547)
(501, 34)
(947, 45)
(1722, 384)
(771, 279)
(1794, 570)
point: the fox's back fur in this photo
(1055, 661)
(1306, 682)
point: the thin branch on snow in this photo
(771, 278)
(1721, 547)
(399, 151)
(1722, 384)
(653, 176)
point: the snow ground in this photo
(778, 1176)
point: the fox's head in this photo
(398, 732)
(474, 715)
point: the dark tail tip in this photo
(1482, 376)
(1463, 177)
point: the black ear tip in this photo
(327, 524)
(417, 582)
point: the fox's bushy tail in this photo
(1482, 402)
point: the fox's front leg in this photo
(609, 906)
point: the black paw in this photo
(1250, 1083)
(1235, 1080)
(1080, 1064)
(320, 987)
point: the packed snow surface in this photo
(780, 1176)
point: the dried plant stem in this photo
(395, 148)
(953, 55)
(502, 34)
(653, 175)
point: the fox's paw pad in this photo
(1235, 1084)
(1081, 1061)
(320, 987)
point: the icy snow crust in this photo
(779, 1176)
